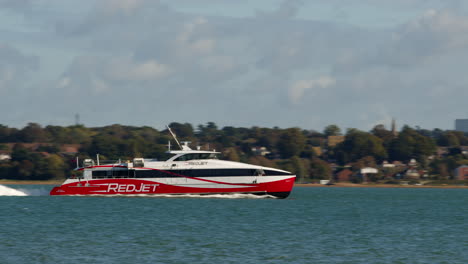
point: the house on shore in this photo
(4, 156)
(461, 173)
(344, 175)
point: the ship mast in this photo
(174, 136)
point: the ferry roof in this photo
(192, 152)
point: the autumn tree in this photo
(262, 161)
(232, 154)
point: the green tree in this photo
(385, 135)
(109, 146)
(332, 130)
(298, 168)
(55, 167)
(24, 170)
(208, 133)
(33, 133)
(268, 138)
(448, 139)
(410, 144)
(358, 144)
(183, 131)
(291, 143)
(320, 169)
(20, 153)
(7, 134)
(79, 134)
(308, 152)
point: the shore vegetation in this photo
(414, 155)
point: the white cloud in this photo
(63, 82)
(189, 40)
(287, 10)
(125, 69)
(293, 66)
(203, 45)
(298, 89)
(110, 74)
(442, 27)
(218, 63)
(128, 7)
(15, 67)
(149, 70)
(100, 86)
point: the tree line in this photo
(306, 153)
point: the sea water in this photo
(313, 225)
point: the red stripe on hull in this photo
(134, 187)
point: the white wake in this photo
(7, 191)
(218, 196)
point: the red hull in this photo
(280, 188)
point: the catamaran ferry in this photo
(187, 171)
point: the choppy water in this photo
(314, 225)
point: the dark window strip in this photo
(179, 173)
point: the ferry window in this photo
(205, 156)
(77, 175)
(144, 174)
(259, 172)
(196, 156)
(187, 157)
(100, 174)
(121, 173)
(181, 158)
(138, 163)
(275, 173)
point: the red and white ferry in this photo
(186, 172)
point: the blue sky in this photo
(354, 63)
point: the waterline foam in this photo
(7, 191)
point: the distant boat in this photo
(187, 171)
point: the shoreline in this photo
(28, 182)
(379, 185)
(340, 184)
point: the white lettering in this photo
(198, 163)
(128, 188)
(112, 187)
